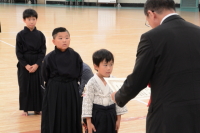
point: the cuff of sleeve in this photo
(38, 63)
(118, 102)
(85, 116)
(121, 113)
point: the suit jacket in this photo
(168, 57)
(86, 75)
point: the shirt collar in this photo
(99, 81)
(167, 17)
(28, 30)
(59, 51)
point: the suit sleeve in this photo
(86, 75)
(19, 51)
(80, 62)
(141, 74)
(42, 51)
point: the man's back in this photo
(175, 80)
(167, 57)
(176, 46)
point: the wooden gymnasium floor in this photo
(91, 28)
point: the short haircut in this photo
(158, 6)
(101, 55)
(29, 13)
(59, 29)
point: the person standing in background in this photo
(30, 51)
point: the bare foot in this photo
(25, 114)
(37, 113)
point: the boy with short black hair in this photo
(61, 70)
(30, 51)
(101, 114)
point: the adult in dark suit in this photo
(168, 57)
(86, 75)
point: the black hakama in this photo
(30, 49)
(104, 118)
(61, 111)
(61, 106)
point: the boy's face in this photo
(30, 22)
(104, 69)
(62, 41)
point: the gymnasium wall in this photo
(130, 1)
(121, 1)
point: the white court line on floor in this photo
(141, 102)
(7, 43)
(144, 98)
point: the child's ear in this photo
(95, 67)
(53, 41)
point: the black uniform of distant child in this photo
(61, 112)
(30, 50)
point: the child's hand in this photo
(91, 128)
(84, 125)
(83, 95)
(28, 68)
(117, 125)
(34, 68)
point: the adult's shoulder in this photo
(192, 26)
(86, 66)
(156, 32)
(91, 81)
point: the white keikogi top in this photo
(98, 93)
